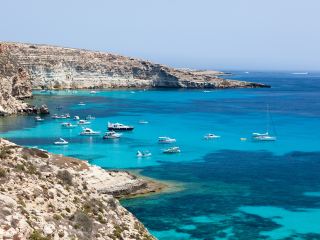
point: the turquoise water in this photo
(232, 189)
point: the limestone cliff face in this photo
(56, 67)
(15, 83)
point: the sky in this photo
(202, 34)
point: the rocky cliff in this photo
(46, 196)
(58, 67)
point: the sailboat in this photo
(264, 136)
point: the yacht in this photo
(89, 132)
(172, 150)
(112, 135)
(83, 122)
(143, 154)
(119, 127)
(211, 136)
(166, 140)
(68, 125)
(263, 137)
(61, 141)
(38, 119)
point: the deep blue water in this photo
(228, 189)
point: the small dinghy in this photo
(61, 142)
(83, 122)
(172, 150)
(166, 140)
(89, 132)
(68, 125)
(143, 154)
(38, 119)
(211, 136)
(112, 135)
(143, 122)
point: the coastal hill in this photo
(47, 196)
(26, 66)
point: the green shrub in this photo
(35, 235)
(3, 173)
(65, 176)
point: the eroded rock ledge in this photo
(56, 197)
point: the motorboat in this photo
(63, 116)
(112, 135)
(81, 104)
(263, 137)
(76, 118)
(55, 116)
(38, 119)
(172, 150)
(166, 140)
(89, 117)
(61, 141)
(83, 122)
(89, 132)
(93, 92)
(143, 154)
(211, 136)
(119, 127)
(68, 125)
(243, 139)
(143, 122)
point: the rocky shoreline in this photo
(24, 67)
(48, 196)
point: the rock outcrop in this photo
(47, 196)
(15, 83)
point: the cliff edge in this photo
(47, 196)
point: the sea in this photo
(231, 187)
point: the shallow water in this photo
(232, 189)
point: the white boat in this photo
(143, 122)
(89, 117)
(38, 119)
(112, 135)
(83, 122)
(172, 150)
(243, 139)
(61, 142)
(211, 136)
(166, 140)
(143, 154)
(119, 127)
(68, 125)
(300, 73)
(93, 92)
(264, 136)
(81, 104)
(76, 118)
(89, 132)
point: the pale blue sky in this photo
(224, 34)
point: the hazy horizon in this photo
(229, 35)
